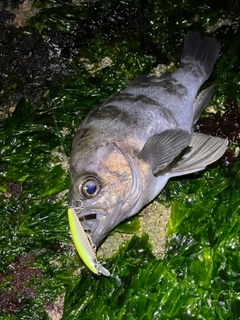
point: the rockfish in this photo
(127, 148)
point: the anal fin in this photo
(201, 102)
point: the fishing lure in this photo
(83, 245)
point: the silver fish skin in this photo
(127, 148)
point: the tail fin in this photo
(201, 51)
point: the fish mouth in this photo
(96, 220)
(99, 223)
(89, 216)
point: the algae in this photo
(52, 75)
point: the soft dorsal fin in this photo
(160, 149)
(203, 150)
(201, 102)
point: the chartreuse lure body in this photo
(83, 245)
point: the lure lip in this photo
(83, 244)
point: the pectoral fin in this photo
(203, 150)
(160, 149)
(201, 102)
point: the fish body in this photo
(127, 148)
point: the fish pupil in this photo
(90, 187)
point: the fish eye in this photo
(89, 187)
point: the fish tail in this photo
(200, 51)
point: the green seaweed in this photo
(47, 75)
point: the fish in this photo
(126, 149)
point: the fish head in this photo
(105, 188)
